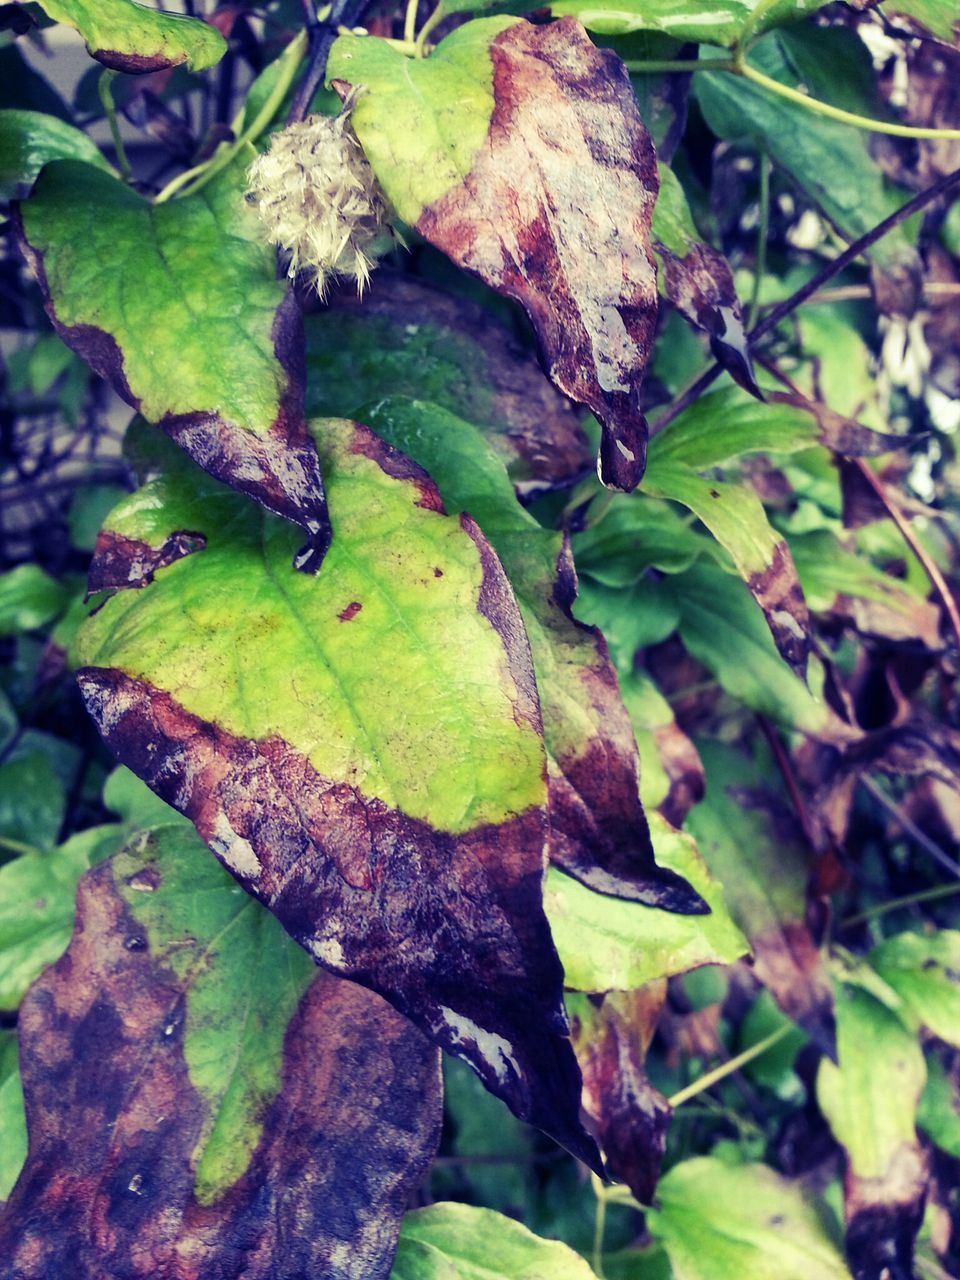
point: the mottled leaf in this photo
(751, 843)
(460, 1242)
(924, 971)
(698, 281)
(134, 38)
(373, 769)
(36, 907)
(870, 1098)
(597, 827)
(611, 945)
(29, 140)
(541, 179)
(724, 1222)
(200, 1101)
(630, 1116)
(179, 307)
(407, 338)
(722, 24)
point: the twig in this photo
(763, 232)
(910, 827)
(897, 904)
(343, 13)
(727, 1068)
(789, 780)
(863, 293)
(812, 286)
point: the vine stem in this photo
(663, 66)
(763, 232)
(105, 92)
(18, 847)
(896, 904)
(727, 1068)
(192, 180)
(812, 286)
(599, 1223)
(433, 21)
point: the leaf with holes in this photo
(519, 152)
(190, 1079)
(179, 307)
(361, 748)
(130, 37)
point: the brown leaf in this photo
(883, 1216)
(631, 1117)
(556, 214)
(843, 435)
(114, 1119)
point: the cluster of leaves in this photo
(625, 785)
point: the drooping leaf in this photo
(29, 599)
(134, 38)
(938, 1114)
(751, 843)
(630, 1115)
(665, 750)
(29, 140)
(13, 1121)
(406, 338)
(542, 181)
(36, 907)
(191, 1081)
(870, 1097)
(687, 20)
(698, 281)
(597, 827)
(179, 307)
(392, 821)
(830, 162)
(607, 944)
(722, 1222)
(924, 971)
(449, 1241)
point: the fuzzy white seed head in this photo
(319, 201)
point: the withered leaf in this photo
(395, 826)
(553, 207)
(188, 323)
(160, 1142)
(631, 1117)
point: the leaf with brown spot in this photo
(178, 306)
(200, 1102)
(362, 748)
(407, 338)
(752, 844)
(519, 152)
(631, 1117)
(137, 39)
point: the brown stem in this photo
(812, 286)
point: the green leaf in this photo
(29, 599)
(751, 843)
(179, 307)
(688, 20)
(393, 820)
(29, 139)
(130, 37)
(474, 146)
(597, 828)
(723, 1222)
(408, 339)
(607, 944)
(33, 798)
(626, 535)
(36, 907)
(938, 1114)
(925, 972)
(938, 16)
(460, 1242)
(725, 425)
(219, 1089)
(13, 1120)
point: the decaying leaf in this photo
(751, 843)
(407, 338)
(631, 1117)
(136, 39)
(597, 831)
(543, 185)
(698, 281)
(396, 827)
(200, 1101)
(190, 324)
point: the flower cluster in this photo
(319, 200)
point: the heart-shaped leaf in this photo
(130, 37)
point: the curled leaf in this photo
(134, 38)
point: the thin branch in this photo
(727, 1068)
(910, 828)
(898, 904)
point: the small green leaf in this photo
(29, 139)
(29, 599)
(687, 20)
(13, 1120)
(459, 1242)
(924, 970)
(130, 37)
(725, 1222)
(938, 1114)
(610, 945)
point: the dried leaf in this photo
(547, 195)
(199, 1101)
